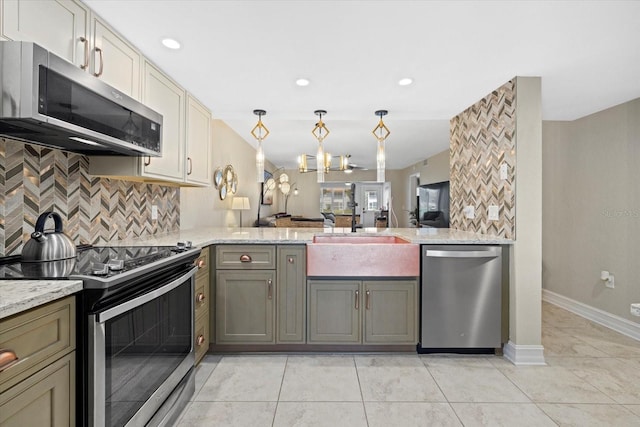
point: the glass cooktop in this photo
(96, 261)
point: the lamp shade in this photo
(240, 204)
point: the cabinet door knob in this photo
(290, 260)
(85, 41)
(200, 340)
(201, 263)
(245, 258)
(269, 288)
(101, 69)
(357, 299)
(200, 297)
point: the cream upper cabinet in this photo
(186, 138)
(61, 26)
(198, 143)
(167, 98)
(114, 60)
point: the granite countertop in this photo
(20, 295)
(274, 235)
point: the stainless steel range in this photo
(135, 330)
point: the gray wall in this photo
(591, 208)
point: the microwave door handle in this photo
(143, 299)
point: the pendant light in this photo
(317, 133)
(381, 132)
(257, 133)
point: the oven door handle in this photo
(142, 299)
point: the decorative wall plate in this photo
(234, 183)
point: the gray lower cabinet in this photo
(39, 389)
(245, 306)
(391, 312)
(291, 294)
(368, 312)
(44, 399)
(334, 312)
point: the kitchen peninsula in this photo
(40, 291)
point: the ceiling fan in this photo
(350, 167)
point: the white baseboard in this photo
(524, 354)
(611, 321)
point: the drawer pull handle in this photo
(8, 358)
(269, 288)
(290, 260)
(190, 168)
(147, 162)
(200, 297)
(201, 263)
(245, 258)
(357, 300)
(200, 340)
(367, 297)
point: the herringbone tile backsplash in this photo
(483, 139)
(95, 210)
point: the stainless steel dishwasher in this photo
(461, 298)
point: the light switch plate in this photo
(469, 212)
(504, 171)
(493, 213)
(154, 212)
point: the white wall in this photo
(591, 208)
(202, 207)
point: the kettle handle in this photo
(57, 221)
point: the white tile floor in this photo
(592, 379)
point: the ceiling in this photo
(237, 56)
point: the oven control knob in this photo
(98, 269)
(189, 244)
(116, 265)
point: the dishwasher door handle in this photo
(461, 254)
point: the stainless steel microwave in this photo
(48, 101)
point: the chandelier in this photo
(326, 163)
(257, 133)
(317, 133)
(381, 132)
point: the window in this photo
(335, 198)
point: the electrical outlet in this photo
(504, 171)
(635, 309)
(493, 214)
(154, 212)
(469, 212)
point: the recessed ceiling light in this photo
(302, 82)
(171, 43)
(405, 82)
